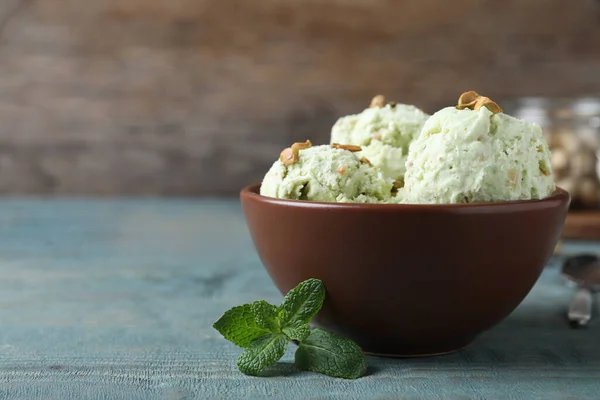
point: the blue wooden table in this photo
(115, 299)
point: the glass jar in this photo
(572, 129)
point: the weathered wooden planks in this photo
(190, 97)
(115, 299)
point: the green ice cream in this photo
(476, 155)
(390, 160)
(327, 174)
(384, 131)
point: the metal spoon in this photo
(584, 272)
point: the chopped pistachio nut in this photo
(488, 103)
(467, 99)
(348, 147)
(474, 101)
(302, 145)
(365, 160)
(378, 101)
(545, 171)
(287, 156)
(291, 154)
(397, 185)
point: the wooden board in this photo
(186, 97)
(582, 225)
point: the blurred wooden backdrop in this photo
(199, 96)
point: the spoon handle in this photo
(580, 310)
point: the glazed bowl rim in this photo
(559, 195)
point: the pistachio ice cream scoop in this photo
(326, 173)
(475, 153)
(384, 131)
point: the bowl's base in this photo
(420, 351)
(417, 355)
(399, 346)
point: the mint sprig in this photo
(265, 330)
(239, 326)
(303, 302)
(265, 315)
(297, 331)
(330, 354)
(262, 353)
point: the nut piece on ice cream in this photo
(325, 173)
(475, 153)
(384, 131)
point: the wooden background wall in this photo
(186, 97)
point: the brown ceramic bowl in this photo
(408, 280)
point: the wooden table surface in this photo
(114, 299)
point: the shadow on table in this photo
(535, 339)
(281, 369)
(286, 369)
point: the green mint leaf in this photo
(296, 331)
(239, 326)
(262, 353)
(281, 314)
(266, 316)
(302, 302)
(330, 354)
